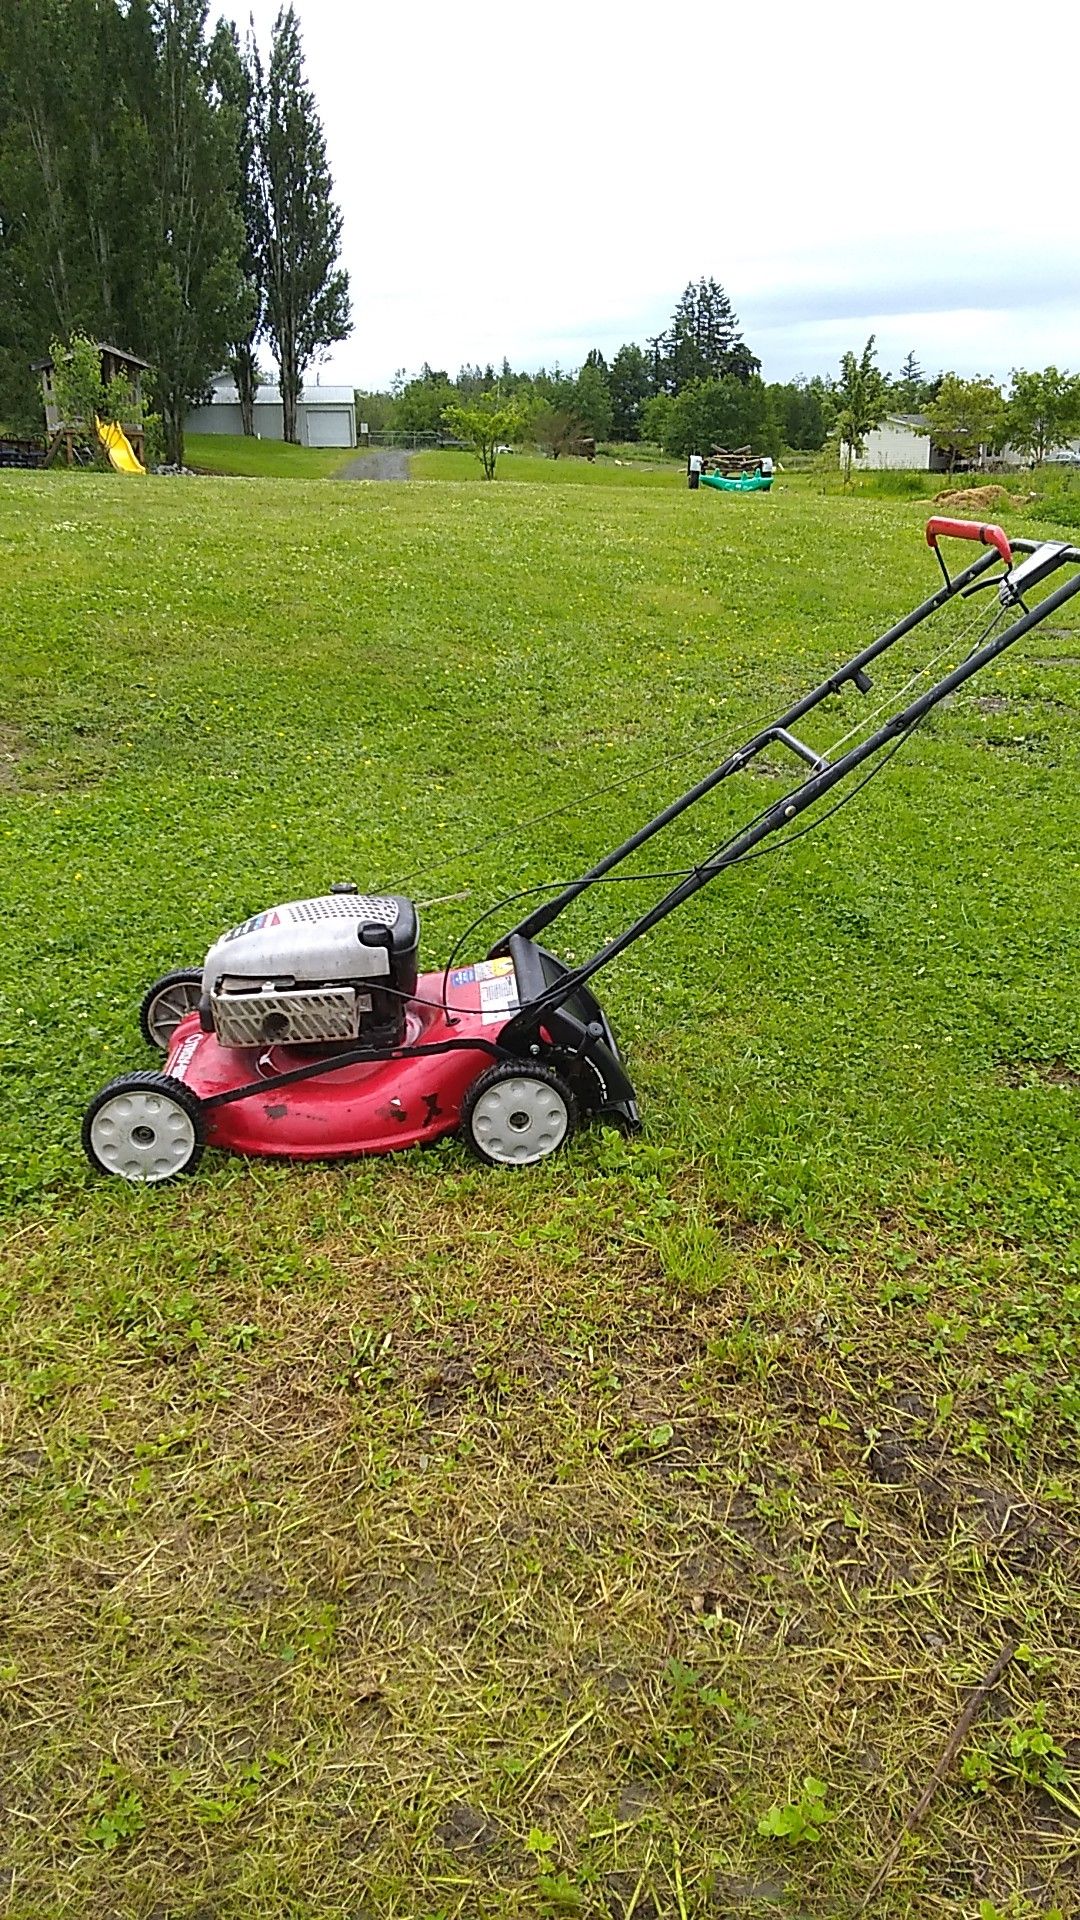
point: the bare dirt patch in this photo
(11, 751)
(1052, 1073)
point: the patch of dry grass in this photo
(454, 1546)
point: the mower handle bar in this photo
(989, 535)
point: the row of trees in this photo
(696, 383)
(604, 400)
(968, 418)
(162, 188)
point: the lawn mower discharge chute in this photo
(308, 1033)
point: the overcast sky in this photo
(538, 181)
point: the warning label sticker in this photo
(483, 970)
(498, 986)
(498, 995)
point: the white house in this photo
(325, 416)
(902, 440)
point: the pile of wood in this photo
(731, 461)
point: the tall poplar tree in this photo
(75, 232)
(196, 299)
(307, 293)
(235, 79)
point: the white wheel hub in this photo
(519, 1121)
(168, 1008)
(143, 1136)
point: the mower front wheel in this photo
(146, 1127)
(166, 1003)
(515, 1115)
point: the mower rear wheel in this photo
(145, 1127)
(166, 1003)
(516, 1114)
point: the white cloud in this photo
(536, 182)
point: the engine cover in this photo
(335, 968)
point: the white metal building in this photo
(325, 416)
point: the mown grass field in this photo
(402, 1539)
(453, 463)
(263, 459)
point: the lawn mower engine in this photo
(312, 973)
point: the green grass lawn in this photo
(403, 1539)
(451, 463)
(263, 459)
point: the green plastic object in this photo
(746, 482)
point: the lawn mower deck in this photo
(450, 1065)
(295, 1103)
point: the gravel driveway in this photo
(382, 463)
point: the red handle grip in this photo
(969, 530)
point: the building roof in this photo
(103, 346)
(916, 421)
(224, 394)
(327, 396)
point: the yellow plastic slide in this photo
(118, 447)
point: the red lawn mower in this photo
(308, 1033)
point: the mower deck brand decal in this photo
(271, 918)
(185, 1056)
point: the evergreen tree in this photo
(908, 387)
(307, 293)
(798, 408)
(629, 385)
(656, 350)
(470, 382)
(592, 400)
(703, 341)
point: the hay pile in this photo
(981, 499)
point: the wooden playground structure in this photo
(69, 436)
